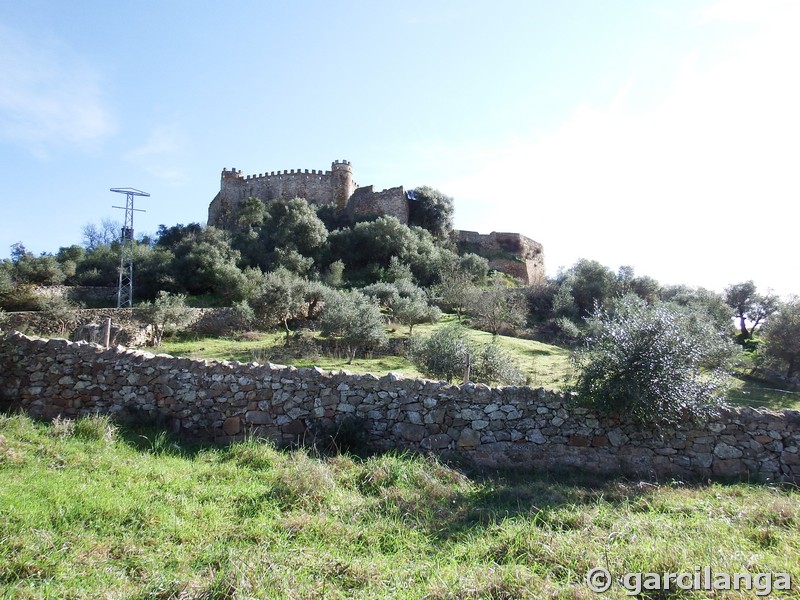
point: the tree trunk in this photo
(743, 328)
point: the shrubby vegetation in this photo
(450, 354)
(166, 313)
(655, 363)
(782, 335)
(355, 321)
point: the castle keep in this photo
(324, 188)
(510, 253)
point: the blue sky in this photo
(662, 135)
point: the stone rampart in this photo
(316, 186)
(511, 253)
(366, 202)
(516, 427)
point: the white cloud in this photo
(701, 188)
(49, 95)
(161, 153)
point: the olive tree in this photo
(449, 354)
(354, 320)
(782, 335)
(498, 308)
(750, 307)
(654, 363)
(166, 313)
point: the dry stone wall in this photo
(127, 328)
(494, 427)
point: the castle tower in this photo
(343, 184)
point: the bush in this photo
(354, 320)
(167, 313)
(492, 364)
(446, 353)
(655, 364)
(442, 355)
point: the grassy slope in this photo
(544, 365)
(82, 514)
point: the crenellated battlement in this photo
(317, 186)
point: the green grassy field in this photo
(88, 511)
(544, 365)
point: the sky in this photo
(664, 135)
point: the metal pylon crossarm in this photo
(126, 245)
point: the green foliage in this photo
(431, 210)
(493, 364)
(21, 296)
(782, 335)
(498, 308)
(583, 286)
(355, 321)
(749, 307)
(244, 317)
(405, 302)
(96, 428)
(444, 354)
(34, 270)
(645, 361)
(280, 299)
(456, 290)
(334, 276)
(284, 233)
(205, 263)
(384, 248)
(450, 354)
(414, 310)
(166, 314)
(60, 312)
(711, 305)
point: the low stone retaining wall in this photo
(493, 427)
(128, 329)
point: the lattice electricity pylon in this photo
(125, 288)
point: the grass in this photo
(543, 365)
(88, 510)
(749, 391)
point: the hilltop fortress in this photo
(511, 253)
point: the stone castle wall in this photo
(366, 202)
(335, 187)
(511, 253)
(317, 187)
(517, 427)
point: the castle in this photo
(510, 253)
(335, 187)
